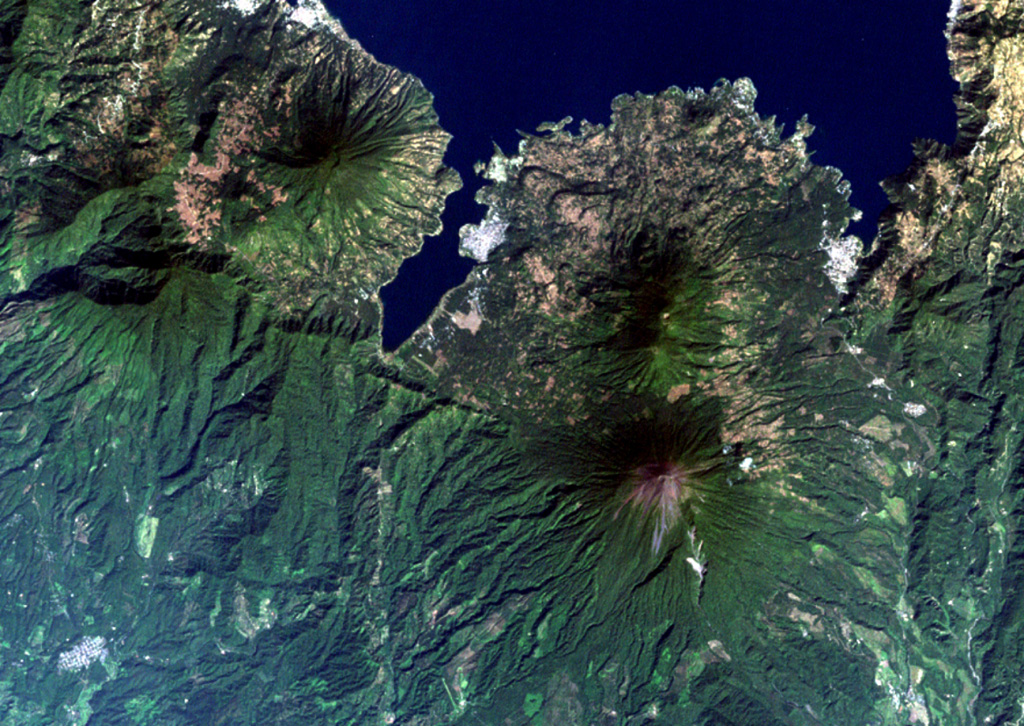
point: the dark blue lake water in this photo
(871, 76)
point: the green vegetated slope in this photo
(642, 464)
(671, 272)
(944, 305)
(198, 208)
(666, 291)
(187, 134)
(185, 481)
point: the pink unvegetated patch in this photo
(195, 196)
(200, 187)
(470, 321)
(662, 487)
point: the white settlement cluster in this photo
(84, 653)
